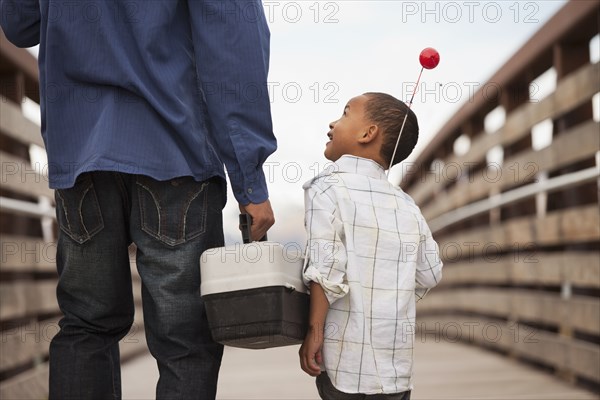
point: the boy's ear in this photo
(371, 134)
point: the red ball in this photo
(429, 58)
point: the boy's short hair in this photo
(387, 112)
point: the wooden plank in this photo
(477, 271)
(32, 384)
(31, 254)
(19, 176)
(19, 299)
(22, 298)
(562, 353)
(583, 269)
(14, 352)
(31, 342)
(14, 124)
(582, 358)
(26, 343)
(574, 90)
(532, 59)
(481, 374)
(483, 331)
(569, 226)
(583, 314)
(571, 92)
(491, 302)
(26, 254)
(17, 59)
(580, 269)
(42, 297)
(580, 143)
(13, 301)
(573, 225)
(578, 312)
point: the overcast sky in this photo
(324, 53)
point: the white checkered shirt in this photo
(372, 252)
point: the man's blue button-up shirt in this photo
(162, 88)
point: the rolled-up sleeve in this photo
(429, 263)
(20, 21)
(327, 259)
(231, 43)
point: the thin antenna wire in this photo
(403, 123)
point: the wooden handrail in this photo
(559, 183)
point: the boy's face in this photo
(346, 131)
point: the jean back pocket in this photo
(172, 211)
(78, 211)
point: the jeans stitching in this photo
(203, 217)
(81, 213)
(158, 234)
(68, 229)
(92, 192)
(64, 208)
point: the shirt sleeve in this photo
(326, 253)
(231, 45)
(429, 263)
(20, 21)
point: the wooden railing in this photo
(29, 312)
(520, 239)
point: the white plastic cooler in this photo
(254, 295)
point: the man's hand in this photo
(310, 351)
(262, 218)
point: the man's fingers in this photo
(259, 230)
(262, 218)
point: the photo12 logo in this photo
(453, 12)
(290, 12)
(288, 92)
(297, 11)
(455, 92)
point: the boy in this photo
(371, 254)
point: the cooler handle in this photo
(245, 225)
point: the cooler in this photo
(254, 295)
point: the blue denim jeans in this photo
(171, 223)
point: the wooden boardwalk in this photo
(442, 371)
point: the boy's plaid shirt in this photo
(371, 250)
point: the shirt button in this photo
(249, 190)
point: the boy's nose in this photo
(331, 124)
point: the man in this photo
(142, 102)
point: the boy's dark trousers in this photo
(328, 392)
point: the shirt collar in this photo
(361, 166)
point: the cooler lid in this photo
(249, 266)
